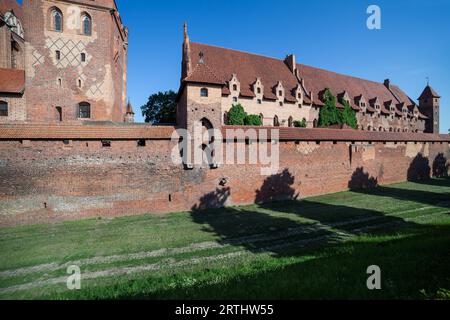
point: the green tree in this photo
(252, 120)
(349, 115)
(161, 107)
(236, 115)
(329, 114)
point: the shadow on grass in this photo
(274, 229)
(339, 272)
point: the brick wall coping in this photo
(321, 134)
(134, 132)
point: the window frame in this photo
(204, 93)
(5, 112)
(82, 113)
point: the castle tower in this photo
(129, 115)
(76, 61)
(429, 105)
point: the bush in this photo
(236, 115)
(300, 124)
(252, 120)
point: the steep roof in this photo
(12, 80)
(247, 67)
(428, 92)
(221, 63)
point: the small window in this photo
(84, 110)
(258, 90)
(79, 83)
(235, 99)
(86, 25)
(83, 57)
(259, 101)
(58, 55)
(59, 113)
(203, 92)
(59, 82)
(280, 93)
(66, 142)
(281, 104)
(3, 109)
(299, 95)
(141, 143)
(234, 87)
(106, 143)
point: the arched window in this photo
(203, 92)
(57, 20)
(276, 122)
(86, 24)
(290, 121)
(84, 110)
(3, 109)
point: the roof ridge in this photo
(238, 51)
(341, 74)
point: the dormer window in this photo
(234, 87)
(258, 90)
(281, 104)
(299, 95)
(259, 101)
(280, 93)
(235, 99)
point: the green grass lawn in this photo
(317, 248)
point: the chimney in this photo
(387, 84)
(290, 62)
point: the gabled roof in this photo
(247, 67)
(219, 64)
(428, 92)
(12, 80)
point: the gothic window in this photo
(3, 109)
(276, 122)
(84, 110)
(203, 92)
(86, 24)
(57, 20)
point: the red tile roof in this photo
(12, 80)
(247, 67)
(428, 92)
(91, 131)
(222, 63)
(134, 132)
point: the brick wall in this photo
(53, 180)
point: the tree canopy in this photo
(160, 108)
(349, 115)
(238, 117)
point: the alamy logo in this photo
(374, 20)
(374, 280)
(74, 280)
(208, 146)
